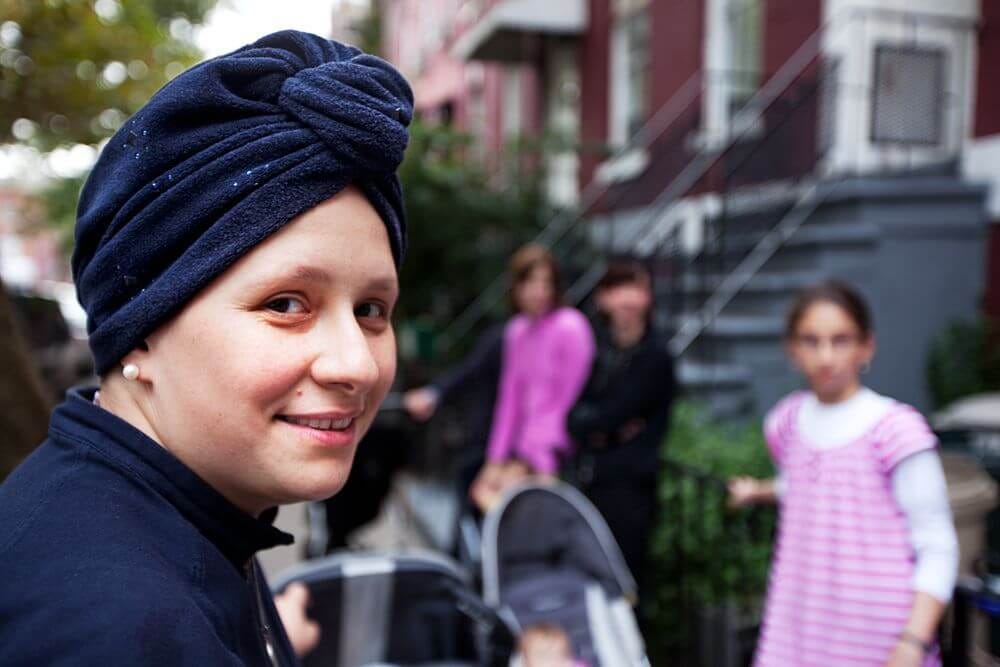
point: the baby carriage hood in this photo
(549, 557)
(416, 609)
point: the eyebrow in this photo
(311, 274)
(385, 284)
(314, 274)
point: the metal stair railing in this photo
(556, 230)
(807, 201)
(751, 114)
(649, 233)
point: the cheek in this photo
(384, 352)
(252, 366)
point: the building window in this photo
(734, 57)
(629, 97)
(908, 97)
(743, 18)
(512, 119)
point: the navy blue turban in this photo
(219, 159)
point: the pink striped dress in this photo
(840, 589)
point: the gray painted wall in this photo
(914, 245)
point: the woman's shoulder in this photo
(515, 326)
(569, 319)
(144, 617)
(65, 494)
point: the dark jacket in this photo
(625, 385)
(473, 383)
(113, 552)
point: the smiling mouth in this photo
(319, 424)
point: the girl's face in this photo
(536, 294)
(267, 380)
(830, 350)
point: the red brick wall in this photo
(595, 52)
(787, 24)
(987, 91)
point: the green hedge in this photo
(964, 359)
(703, 553)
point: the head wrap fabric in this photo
(221, 158)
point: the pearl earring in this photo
(130, 371)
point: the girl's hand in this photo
(743, 491)
(906, 654)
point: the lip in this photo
(341, 438)
(334, 415)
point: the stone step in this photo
(812, 235)
(707, 375)
(770, 283)
(738, 326)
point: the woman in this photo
(624, 412)
(547, 352)
(237, 251)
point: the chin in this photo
(319, 489)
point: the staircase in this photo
(728, 326)
(722, 302)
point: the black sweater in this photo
(625, 385)
(113, 552)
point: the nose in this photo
(344, 357)
(826, 352)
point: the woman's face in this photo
(627, 305)
(830, 350)
(535, 295)
(267, 380)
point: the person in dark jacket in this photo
(476, 375)
(472, 385)
(621, 418)
(237, 251)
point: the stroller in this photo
(416, 610)
(549, 557)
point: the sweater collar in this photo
(234, 532)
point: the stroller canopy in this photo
(398, 609)
(537, 529)
(549, 558)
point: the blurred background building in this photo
(749, 147)
(745, 148)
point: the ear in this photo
(868, 348)
(140, 356)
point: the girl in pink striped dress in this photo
(866, 556)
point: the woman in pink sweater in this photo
(547, 353)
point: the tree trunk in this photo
(24, 406)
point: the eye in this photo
(372, 309)
(809, 341)
(286, 305)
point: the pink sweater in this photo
(546, 363)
